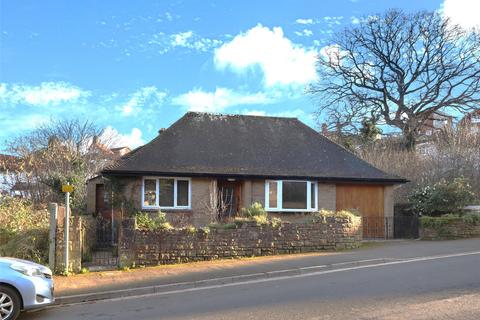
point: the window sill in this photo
(291, 210)
(167, 208)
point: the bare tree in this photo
(215, 205)
(403, 67)
(451, 154)
(62, 151)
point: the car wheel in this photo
(9, 303)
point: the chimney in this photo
(324, 129)
(161, 130)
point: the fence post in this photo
(66, 236)
(387, 229)
(52, 208)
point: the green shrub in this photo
(31, 244)
(205, 230)
(438, 222)
(146, 221)
(191, 229)
(255, 210)
(276, 222)
(241, 220)
(261, 220)
(18, 215)
(442, 198)
(446, 219)
(87, 256)
(472, 218)
(230, 225)
(256, 213)
(23, 230)
(323, 214)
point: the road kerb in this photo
(94, 296)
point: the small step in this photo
(94, 268)
(102, 260)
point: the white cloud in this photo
(253, 112)
(296, 113)
(45, 94)
(304, 21)
(463, 12)
(333, 20)
(117, 139)
(282, 61)
(217, 101)
(304, 33)
(180, 39)
(354, 20)
(190, 40)
(139, 98)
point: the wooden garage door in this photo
(368, 200)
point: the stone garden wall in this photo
(153, 247)
(453, 229)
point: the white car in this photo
(24, 285)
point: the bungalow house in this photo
(471, 121)
(435, 123)
(285, 165)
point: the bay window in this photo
(291, 195)
(166, 193)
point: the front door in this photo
(229, 197)
(99, 198)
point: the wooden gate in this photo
(369, 201)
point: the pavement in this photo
(412, 280)
(112, 284)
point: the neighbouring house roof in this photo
(116, 152)
(441, 113)
(120, 151)
(202, 144)
(471, 117)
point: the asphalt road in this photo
(403, 249)
(439, 288)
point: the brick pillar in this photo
(126, 243)
(75, 247)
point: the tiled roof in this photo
(203, 144)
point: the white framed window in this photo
(291, 195)
(166, 193)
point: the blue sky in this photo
(136, 66)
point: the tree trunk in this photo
(410, 138)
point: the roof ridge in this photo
(237, 115)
